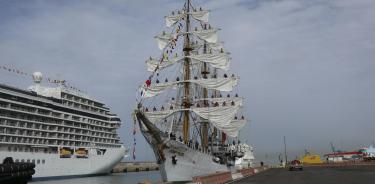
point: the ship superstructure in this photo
(187, 109)
(63, 131)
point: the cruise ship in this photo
(63, 131)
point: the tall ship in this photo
(188, 109)
(63, 131)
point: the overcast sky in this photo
(306, 66)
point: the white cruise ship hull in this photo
(49, 166)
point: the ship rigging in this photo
(188, 133)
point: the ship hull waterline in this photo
(54, 167)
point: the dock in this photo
(228, 177)
(344, 174)
(135, 167)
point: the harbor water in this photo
(118, 178)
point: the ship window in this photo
(17, 160)
(43, 161)
(9, 148)
(33, 161)
(22, 160)
(38, 161)
(28, 161)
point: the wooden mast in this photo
(186, 100)
(204, 124)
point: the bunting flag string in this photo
(171, 45)
(13, 70)
(49, 79)
(134, 134)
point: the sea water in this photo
(118, 178)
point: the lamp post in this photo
(286, 157)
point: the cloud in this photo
(306, 67)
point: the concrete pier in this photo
(344, 174)
(135, 167)
(227, 177)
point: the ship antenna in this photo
(187, 49)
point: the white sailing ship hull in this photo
(49, 166)
(190, 163)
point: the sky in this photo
(306, 67)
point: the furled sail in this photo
(220, 60)
(220, 116)
(220, 84)
(201, 15)
(216, 46)
(152, 63)
(217, 60)
(157, 116)
(227, 100)
(209, 35)
(156, 89)
(232, 128)
(171, 20)
(163, 39)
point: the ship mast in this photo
(204, 124)
(186, 100)
(221, 117)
